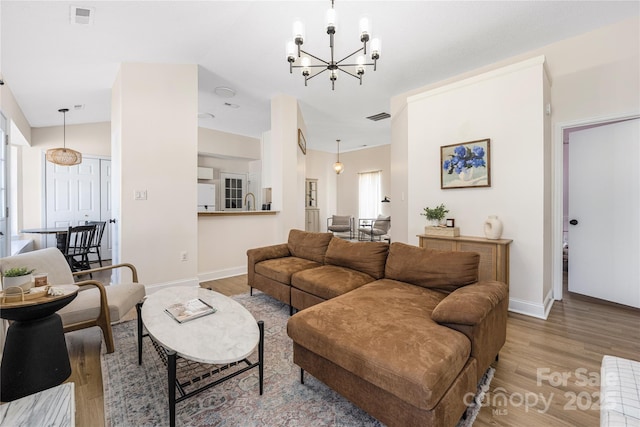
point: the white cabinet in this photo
(312, 220)
(205, 173)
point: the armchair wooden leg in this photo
(107, 333)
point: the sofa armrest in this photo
(131, 267)
(480, 312)
(470, 305)
(257, 255)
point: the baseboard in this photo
(528, 308)
(191, 282)
(221, 274)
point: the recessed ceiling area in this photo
(51, 58)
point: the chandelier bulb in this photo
(331, 21)
(291, 51)
(375, 48)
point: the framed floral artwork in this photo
(465, 165)
(302, 142)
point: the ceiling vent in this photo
(379, 116)
(81, 15)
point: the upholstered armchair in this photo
(341, 224)
(96, 304)
(374, 229)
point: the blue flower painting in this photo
(465, 165)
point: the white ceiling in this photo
(49, 63)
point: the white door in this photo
(604, 212)
(74, 194)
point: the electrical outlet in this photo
(183, 256)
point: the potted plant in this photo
(436, 215)
(17, 277)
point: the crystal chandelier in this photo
(64, 156)
(332, 66)
(337, 166)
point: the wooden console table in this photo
(494, 254)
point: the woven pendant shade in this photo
(64, 156)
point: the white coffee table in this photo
(225, 337)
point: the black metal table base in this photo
(190, 378)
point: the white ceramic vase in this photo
(493, 227)
(466, 174)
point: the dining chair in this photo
(94, 247)
(76, 251)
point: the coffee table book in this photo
(189, 310)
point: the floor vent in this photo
(379, 116)
(81, 15)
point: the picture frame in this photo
(466, 164)
(302, 143)
(450, 222)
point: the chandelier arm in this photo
(315, 57)
(315, 66)
(356, 65)
(349, 56)
(351, 74)
(317, 74)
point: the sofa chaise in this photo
(408, 344)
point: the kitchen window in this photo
(233, 185)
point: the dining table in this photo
(60, 232)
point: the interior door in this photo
(72, 194)
(604, 213)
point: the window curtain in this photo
(369, 194)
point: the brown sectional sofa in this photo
(403, 332)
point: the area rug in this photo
(136, 395)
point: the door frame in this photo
(558, 190)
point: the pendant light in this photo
(337, 166)
(64, 156)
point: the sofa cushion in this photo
(329, 281)
(367, 257)
(308, 245)
(430, 268)
(281, 269)
(383, 333)
(86, 306)
(470, 305)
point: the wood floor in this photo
(547, 375)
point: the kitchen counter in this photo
(237, 213)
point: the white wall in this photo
(226, 144)
(156, 143)
(287, 164)
(223, 242)
(507, 106)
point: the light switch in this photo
(140, 195)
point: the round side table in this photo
(35, 354)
